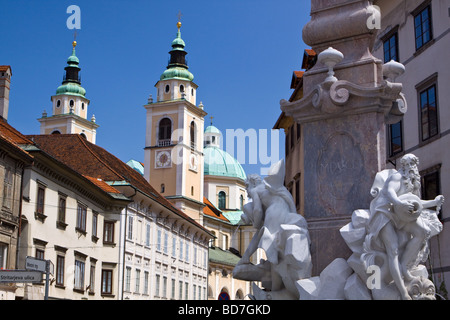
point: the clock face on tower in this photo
(163, 159)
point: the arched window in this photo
(163, 188)
(241, 200)
(167, 89)
(83, 135)
(222, 200)
(192, 135)
(56, 132)
(239, 295)
(181, 88)
(58, 103)
(165, 132)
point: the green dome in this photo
(221, 163)
(212, 129)
(71, 89)
(177, 73)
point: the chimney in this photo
(5, 84)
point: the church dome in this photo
(177, 73)
(71, 89)
(221, 163)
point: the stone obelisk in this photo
(346, 105)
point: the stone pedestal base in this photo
(327, 243)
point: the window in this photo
(79, 275)
(428, 113)
(158, 240)
(8, 188)
(390, 47)
(423, 27)
(174, 246)
(107, 281)
(138, 281)
(128, 279)
(60, 260)
(58, 103)
(181, 249)
(92, 278)
(395, 138)
(172, 293)
(147, 235)
(297, 192)
(94, 224)
(431, 184)
(82, 106)
(3, 255)
(163, 188)
(241, 202)
(108, 232)
(194, 290)
(39, 254)
(186, 291)
(180, 290)
(181, 88)
(167, 89)
(40, 200)
(157, 283)
(130, 228)
(192, 135)
(146, 282)
(222, 200)
(81, 218)
(192, 191)
(166, 242)
(164, 287)
(62, 209)
(165, 132)
(187, 252)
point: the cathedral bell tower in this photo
(70, 105)
(174, 135)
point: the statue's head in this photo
(409, 162)
(422, 289)
(252, 181)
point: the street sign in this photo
(20, 276)
(35, 264)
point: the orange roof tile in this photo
(102, 184)
(212, 211)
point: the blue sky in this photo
(242, 54)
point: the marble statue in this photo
(392, 236)
(281, 232)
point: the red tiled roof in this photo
(13, 137)
(212, 211)
(96, 163)
(4, 68)
(102, 185)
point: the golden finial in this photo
(74, 43)
(179, 20)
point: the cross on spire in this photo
(212, 120)
(179, 15)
